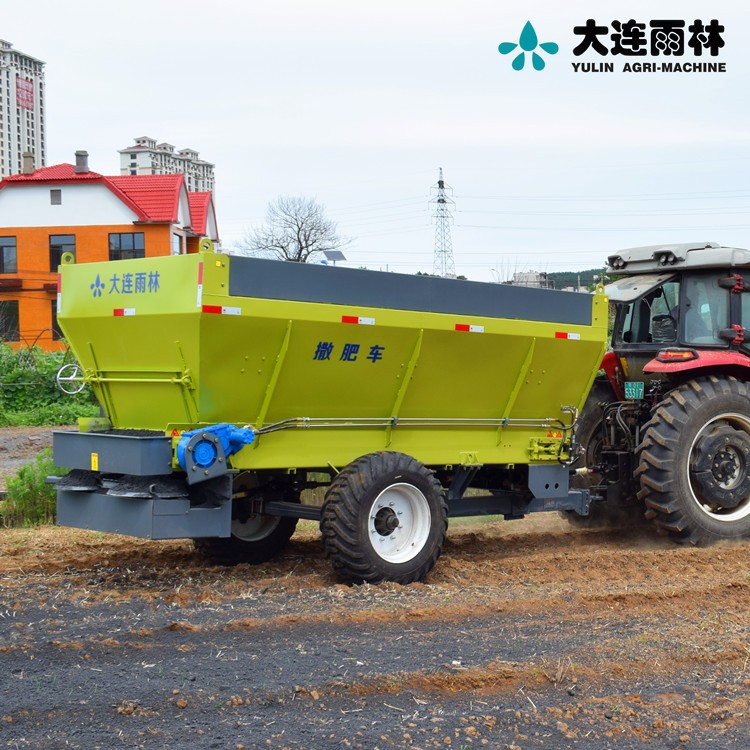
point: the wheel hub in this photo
(720, 466)
(386, 521)
(399, 523)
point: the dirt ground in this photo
(527, 634)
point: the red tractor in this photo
(666, 428)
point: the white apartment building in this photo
(537, 279)
(148, 157)
(21, 110)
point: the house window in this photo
(8, 263)
(9, 321)
(126, 245)
(176, 244)
(56, 333)
(55, 197)
(59, 244)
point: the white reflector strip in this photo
(357, 320)
(570, 336)
(231, 311)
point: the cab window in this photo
(705, 308)
(652, 318)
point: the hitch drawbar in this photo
(202, 453)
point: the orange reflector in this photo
(669, 354)
(676, 355)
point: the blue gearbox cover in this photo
(205, 451)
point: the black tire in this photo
(384, 519)
(256, 540)
(694, 468)
(589, 433)
(602, 514)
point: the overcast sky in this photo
(358, 105)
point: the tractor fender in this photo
(705, 360)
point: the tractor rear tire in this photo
(694, 468)
(384, 519)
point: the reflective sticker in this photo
(569, 336)
(200, 284)
(357, 320)
(94, 462)
(219, 310)
(469, 328)
(123, 312)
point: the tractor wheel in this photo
(384, 519)
(589, 433)
(602, 514)
(694, 466)
(255, 539)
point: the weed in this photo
(30, 501)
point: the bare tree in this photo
(296, 229)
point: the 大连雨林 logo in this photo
(528, 42)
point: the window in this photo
(652, 318)
(59, 244)
(55, 197)
(9, 321)
(126, 245)
(56, 333)
(706, 307)
(8, 262)
(176, 244)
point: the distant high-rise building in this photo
(148, 157)
(21, 111)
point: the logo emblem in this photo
(528, 42)
(97, 286)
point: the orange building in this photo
(66, 208)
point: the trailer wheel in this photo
(694, 466)
(255, 539)
(384, 519)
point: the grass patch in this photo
(30, 501)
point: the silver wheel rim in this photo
(254, 528)
(399, 522)
(717, 512)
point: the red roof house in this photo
(69, 208)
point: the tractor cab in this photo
(677, 305)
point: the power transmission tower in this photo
(443, 264)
